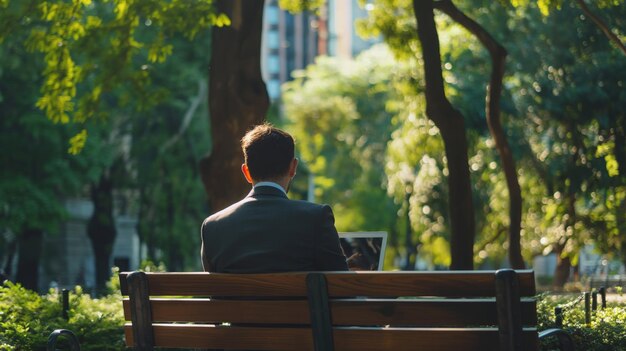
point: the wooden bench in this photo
(445, 310)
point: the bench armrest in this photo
(54, 336)
(566, 343)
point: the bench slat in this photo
(203, 336)
(345, 339)
(407, 312)
(216, 284)
(397, 339)
(206, 310)
(424, 313)
(443, 284)
(380, 284)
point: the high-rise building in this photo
(343, 41)
(291, 42)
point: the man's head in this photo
(268, 155)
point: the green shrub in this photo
(606, 332)
(27, 319)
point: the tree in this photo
(36, 169)
(167, 143)
(452, 128)
(570, 94)
(70, 35)
(237, 98)
(546, 6)
(492, 112)
(101, 228)
(602, 25)
(82, 82)
(152, 162)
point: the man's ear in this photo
(246, 173)
(292, 167)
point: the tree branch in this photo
(202, 90)
(492, 239)
(603, 26)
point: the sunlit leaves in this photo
(394, 20)
(103, 46)
(606, 150)
(77, 142)
(35, 165)
(571, 100)
(159, 51)
(297, 6)
(416, 139)
(546, 6)
(121, 8)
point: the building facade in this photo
(293, 41)
(290, 42)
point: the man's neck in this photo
(271, 183)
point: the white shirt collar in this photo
(272, 184)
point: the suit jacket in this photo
(266, 232)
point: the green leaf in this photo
(77, 142)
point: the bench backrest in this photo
(470, 310)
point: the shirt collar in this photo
(272, 184)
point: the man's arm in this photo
(328, 255)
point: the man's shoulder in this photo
(308, 208)
(228, 211)
(307, 204)
(288, 206)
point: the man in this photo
(266, 232)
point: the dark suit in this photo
(266, 232)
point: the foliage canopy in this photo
(101, 46)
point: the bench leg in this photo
(140, 311)
(54, 336)
(509, 310)
(321, 324)
(566, 343)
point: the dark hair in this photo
(267, 151)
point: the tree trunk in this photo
(139, 227)
(30, 244)
(492, 112)
(561, 273)
(144, 230)
(411, 251)
(619, 131)
(620, 219)
(563, 263)
(452, 126)
(8, 263)
(101, 229)
(238, 99)
(174, 259)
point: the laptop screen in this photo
(365, 250)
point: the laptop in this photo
(365, 250)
